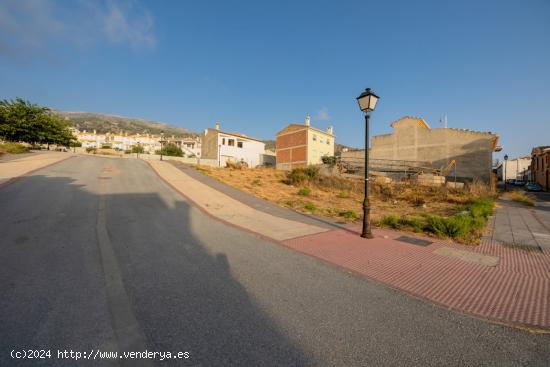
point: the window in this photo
(231, 142)
(239, 144)
(314, 137)
(223, 141)
(328, 141)
(321, 139)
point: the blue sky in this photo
(258, 65)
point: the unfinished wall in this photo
(209, 147)
(413, 140)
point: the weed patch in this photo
(342, 195)
(349, 214)
(522, 198)
(13, 148)
(304, 191)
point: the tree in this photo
(170, 150)
(138, 149)
(23, 121)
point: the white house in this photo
(150, 143)
(516, 169)
(231, 147)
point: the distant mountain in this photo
(103, 123)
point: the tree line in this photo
(26, 122)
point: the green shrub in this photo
(342, 195)
(304, 191)
(436, 225)
(90, 150)
(300, 175)
(330, 160)
(350, 214)
(390, 220)
(257, 182)
(310, 206)
(171, 150)
(105, 146)
(458, 225)
(290, 203)
(455, 226)
(482, 208)
(415, 223)
(296, 176)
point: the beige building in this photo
(299, 145)
(414, 140)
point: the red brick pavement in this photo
(516, 291)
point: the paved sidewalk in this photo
(516, 290)
(520, 226)
(13, 168)
(230, 210)
(494, 280)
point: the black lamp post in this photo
(367, 103)
(505, 164)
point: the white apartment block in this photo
(150, 143)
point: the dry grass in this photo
(520, 197)
(13, 148)
(342, 198)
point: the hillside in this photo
(103, 123)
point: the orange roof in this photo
(419, 120)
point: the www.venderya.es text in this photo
(94, 354)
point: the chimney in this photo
(330, 130)
(217, 125)
(308, 120)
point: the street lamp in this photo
(505, 164)
(367, 103)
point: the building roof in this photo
(295, 126)
(238, 135)
(540, 149)
(424, 124)
(420, 121)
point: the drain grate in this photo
(414, 240)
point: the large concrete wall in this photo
(209, 147)
(414, 141)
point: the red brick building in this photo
(540, 166)
(299, 145)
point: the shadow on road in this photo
(183, 294)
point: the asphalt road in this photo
(98, 253)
